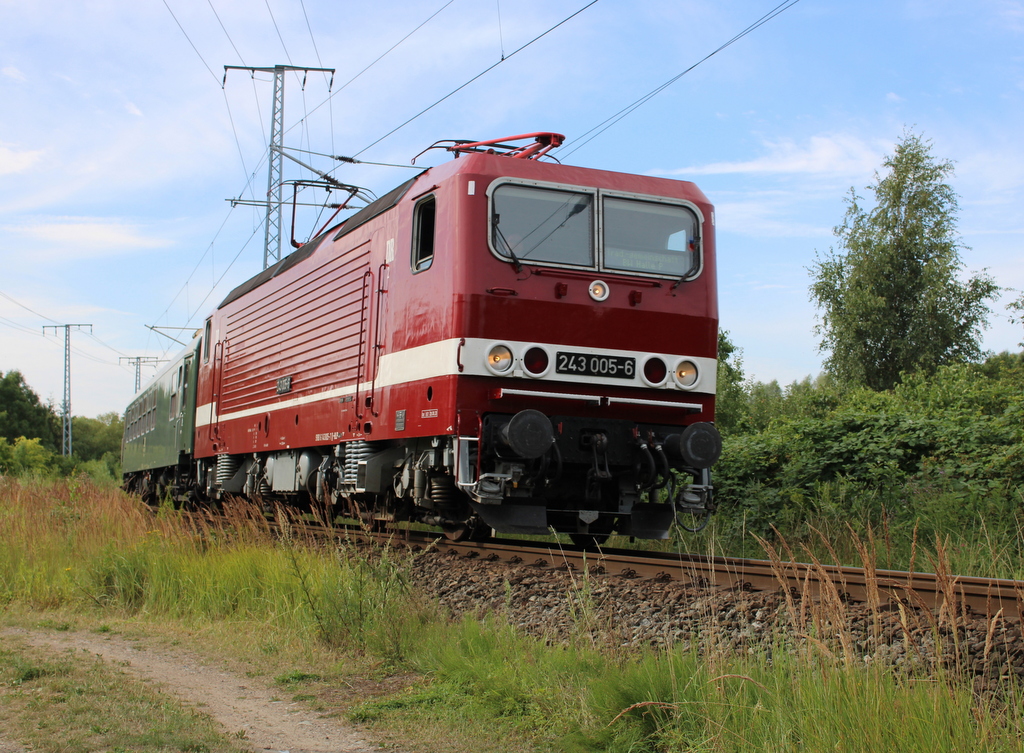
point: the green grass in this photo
(340, 630)
(580, 698)
(74, 703)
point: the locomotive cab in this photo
(589, 324)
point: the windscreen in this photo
(651, 238)
(535, 224)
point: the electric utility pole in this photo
(272, 232)
(138, 361)
(66, 406)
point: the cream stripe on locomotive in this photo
(532, 362)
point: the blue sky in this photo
(119, 147)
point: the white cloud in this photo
(993, 172)
(11, 72)
(893, 97)
(15, 162)
(759, 217)
(130, 107)
(837, 154)
(83, 237)
(1011, 14)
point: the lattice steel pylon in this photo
(66, 405)
(138, 361)
(272, 230)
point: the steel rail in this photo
(960, 595)
(887, 589)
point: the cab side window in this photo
(423, 223)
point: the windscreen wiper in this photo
(692, 270)
(516, 264)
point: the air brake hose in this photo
(663, 470)
(652, 471)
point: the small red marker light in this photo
(535, 361)
(655, 371)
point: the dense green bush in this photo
(26, 457)
(937, 452)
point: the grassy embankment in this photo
(75, 556)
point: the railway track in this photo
(882, 589)
(886, 589)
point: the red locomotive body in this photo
(499, 343)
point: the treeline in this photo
(939, 453)
(912, 435)
(31, 437)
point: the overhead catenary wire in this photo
(195, 269)
(222, 274)
(377, 60)
(249, 182)
(213, 287)
(28, 330)
(305, 118)
(582, 141)
(224, 29)
(196, 49)
(278, 30)
(106, 345)
(503, 59)
(22, 305)
(311, 37)
(256, 96)
(352, 159)
(203, 60)
(320, 63)
(20, 327)
(252, 174)
(482, 73)
(238, 143)
(600, 128)
(501, 36)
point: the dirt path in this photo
(236, 703)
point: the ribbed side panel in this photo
(308, 330)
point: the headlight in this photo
(499, 359)
(686, 374)
(599, 290)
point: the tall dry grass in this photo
(70, 545)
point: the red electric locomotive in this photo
(499, 343)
